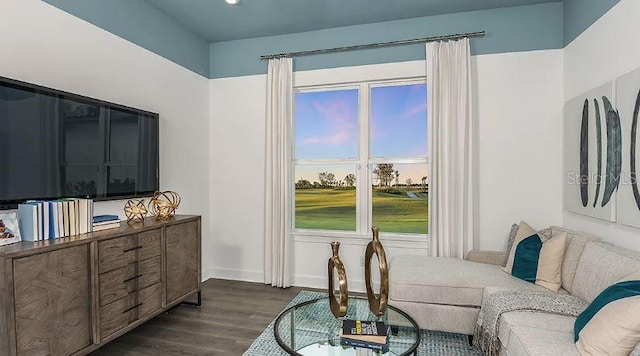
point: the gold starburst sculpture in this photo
(135, 210)
(164, 204)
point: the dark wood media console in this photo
(70, 296)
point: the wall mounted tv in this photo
(55, 144)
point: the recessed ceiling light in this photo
(232, 2)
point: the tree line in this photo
(384, 173)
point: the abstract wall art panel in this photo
(628, 104)
(592, 154)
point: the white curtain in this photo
(277, 244)
(451, 137)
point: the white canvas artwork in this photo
(591, 161)
(9, 230)
(628, 104)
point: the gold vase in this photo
(377, 304)
(338, 307)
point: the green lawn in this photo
(336, 210)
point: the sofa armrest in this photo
(489, 257)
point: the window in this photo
(360, 158)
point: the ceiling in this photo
(216, 21)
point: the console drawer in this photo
(118, 314)
(124, 311)
(149, 271)
(119, 283)
(117, 253)
(151, 299)
(122, 251)
(150, 244)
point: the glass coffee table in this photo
(310, 329)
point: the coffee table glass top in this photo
(310, 329)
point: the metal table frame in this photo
(291, 311)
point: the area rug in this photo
(432, 343)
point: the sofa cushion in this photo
(611, 324)
(512, 237)
(448, 281)
(526, 340)
(600, 266)
(539, 260)
(524, 231)
(519, 324)
(575, 246)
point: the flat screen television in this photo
(55, 144)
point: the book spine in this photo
(364, 344)
(26, 222)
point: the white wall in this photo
(44, 45)
(606, 50)
(519, 143)
(519, 110)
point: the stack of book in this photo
(45, 220)
(104, 222)
(365, 334)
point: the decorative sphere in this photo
(135, 210)
(164, 204)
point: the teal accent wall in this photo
(146, 26)
(511, 29)
(580, 14)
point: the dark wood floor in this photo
(232, 315)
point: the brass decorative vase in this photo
(377, 304)
(338, 307)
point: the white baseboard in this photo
(321, 283)
(303, 281)
(232, 274)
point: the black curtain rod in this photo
(374, 45)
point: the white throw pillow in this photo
(611, 324)
(537, 257)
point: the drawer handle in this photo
(133, 307)
(132, 249)
(132, 278)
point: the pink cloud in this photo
(340, 124)
(415, 110)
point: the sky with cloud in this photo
(326, 127)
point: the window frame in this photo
(364, 164)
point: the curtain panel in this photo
(277, 244)
(451, 140)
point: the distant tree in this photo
(384, 174)
(323, 178)
(409, 181)
(397, 178)
(350, 179)
(303, 184)
(331, 180)
(317, 185)
(424, 183)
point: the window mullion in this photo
(363, 195)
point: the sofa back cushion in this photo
(576, 242)
(600, 266)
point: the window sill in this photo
(358, 239)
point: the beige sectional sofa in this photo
(445, 294)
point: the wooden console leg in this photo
(470, 340)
